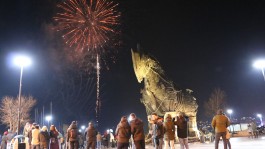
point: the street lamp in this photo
(260, 117)
(230, 111)
(21, 61)
(83, 127)
(260, 64)
(48, 118)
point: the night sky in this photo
(201, 45)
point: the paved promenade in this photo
(237, 143)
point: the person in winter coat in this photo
(4, 140)
(54, 143)
(72, 136)
(220, 123)
(169, 132)
(44, 138)
(182, 130)
(137, 130)
(35, 142)
(254, 128)
(81, 141)
(123, 133)
(99, 139)
(158, 130)
(26, 129)
(31, 128)
(228, 136)
(91, 136)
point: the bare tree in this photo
(215, 102)
(9, 111)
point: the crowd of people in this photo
(129, 134)
(252, 130)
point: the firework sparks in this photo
(87, 24)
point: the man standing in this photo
(91, 136)
(219, 123)
(254, 129)
(123, 133)
(35, 142)
(137, 129)
(72, 136)
(158, 130)
(182, 130)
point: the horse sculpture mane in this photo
(159, 94)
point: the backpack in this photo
(73, 134)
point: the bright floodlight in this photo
(111, 130)
(48, 118)
(129, 118)
(229, 111)
(83, 127)
(259, 115)
(259, 64)
(22, 61)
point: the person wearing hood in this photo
(44, 138)
(169, 132)
(137, 130)
(123, 133)
(91, 136)
(72, 136)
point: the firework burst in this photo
(87, 25)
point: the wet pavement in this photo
(236, 143)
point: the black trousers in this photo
(74, 144)
(140, 144)
(122, 145)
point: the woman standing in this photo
(169, 132)
(44, 138)
(54, 144)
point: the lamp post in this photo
(230, 111)
(83, 127)
(48, 118)
(21, 61)
(260, 64)
(260, 117)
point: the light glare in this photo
(22, 61)
(48, 118)
(259, 64)
(229, 111)
(83, 127)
